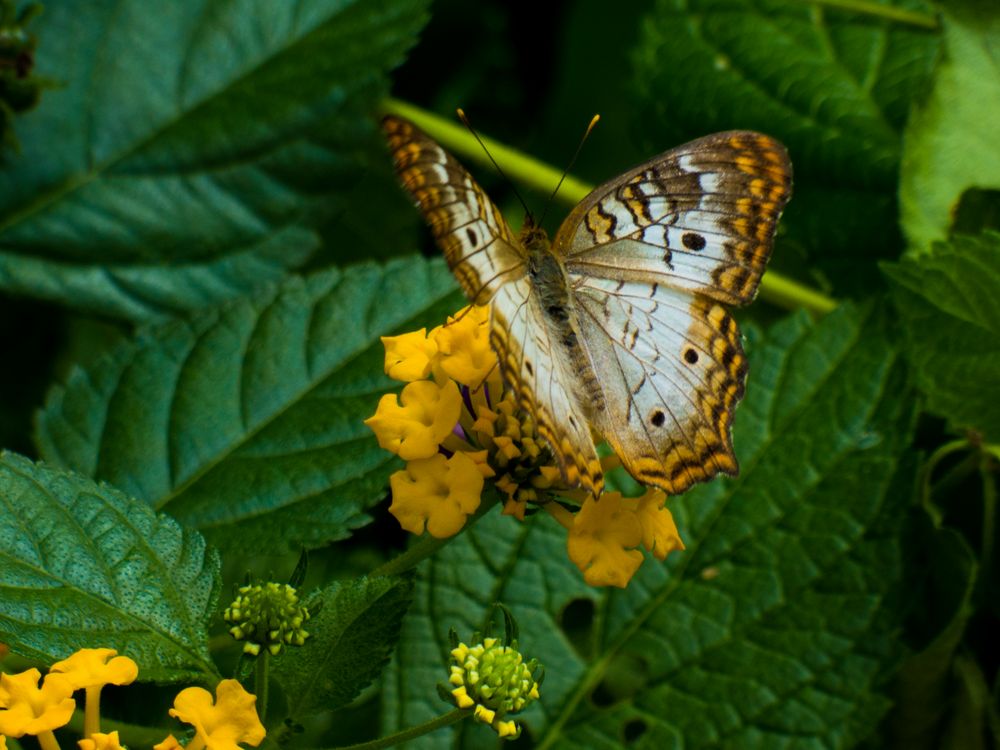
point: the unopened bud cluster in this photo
(267, 616)
(494, 679)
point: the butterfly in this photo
(619, 323)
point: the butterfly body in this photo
(616, 324)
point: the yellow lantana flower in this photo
(436, 493)
(604, 536)
(458, 427)
(99, 741)
(26, 708)
(222, 723)
(91, 669)
(414, 427)
(409, 357)
(170, 743)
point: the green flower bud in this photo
(267, 616)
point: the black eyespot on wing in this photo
(693, 241)
(691, 357)
(528, 367)
(657, 418)
(472, 236)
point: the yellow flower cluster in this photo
(456, 427)
(29, 708)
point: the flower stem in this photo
(428, 545)
(261, 674)
(775, 288)
(92, 711)
(48, 741)
(878, 10)
(452, 717)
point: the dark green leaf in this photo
(951, 142)
(834, 85)
(771, 628)
(926, 682)
(186, 142)
(83, 565)
(246, 422)
(949, 305)
(349, 643)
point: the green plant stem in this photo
(260, 678)
(988, 475)
(888, 12)
(775, 288)
(452, 717)
(925, 485)
(429, 544)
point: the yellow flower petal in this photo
(170, 743)
(602, 541)
(27, 709)
(436, 492)
(659, 532)
(232, 718)
(95, 667)
(100, 741)
(413, 428)
(464, 346)
(410, 356)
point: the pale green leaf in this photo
(951, 142)
(246, 422)
(83, 565)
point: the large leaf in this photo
(769, 630)
(834, 85)
(83, 565)
(949, 304)
(349, 643)
(951, 142)
(246, 422)
(185, 141)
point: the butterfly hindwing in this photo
(700, 218)
(536, 365)
(671, 370)
(479, 246)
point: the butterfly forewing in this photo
(670, 369)
(700, 218)
(489, 262)
(479, 246)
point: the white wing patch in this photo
(670, 369)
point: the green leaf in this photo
(186, 143)
(949, 306)
(771, 629)
(247, 422)
(834, 86)
(925, 683)
(349, 643)
(83, 565)
(951, 142)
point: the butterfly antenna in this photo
(593, 122)
(465, 121)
